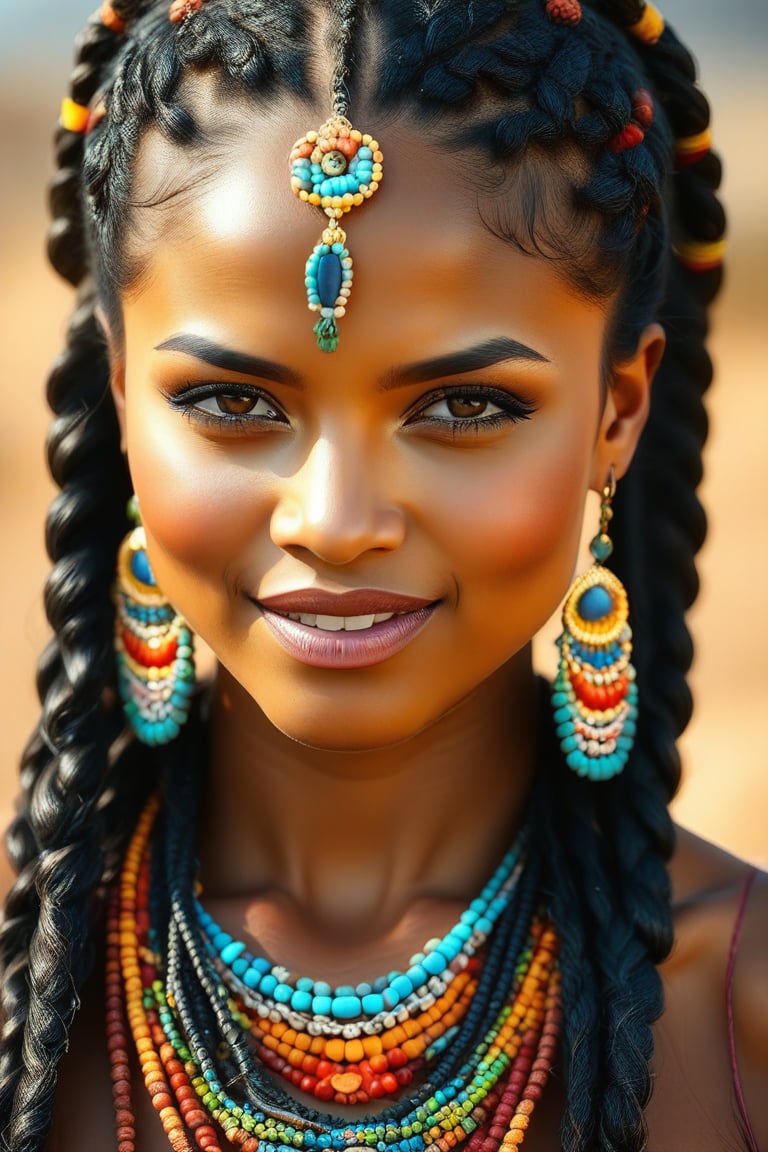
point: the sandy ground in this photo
(725, 790)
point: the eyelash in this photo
(188, 401)
(514, 408)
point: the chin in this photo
(328, 729)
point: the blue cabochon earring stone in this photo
(336, 168)
(594, 695)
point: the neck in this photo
(353, 839)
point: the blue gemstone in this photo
(329, 279)
(140, 567)
(595, 603)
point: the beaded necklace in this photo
(473, 1051)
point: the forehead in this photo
(222, 229)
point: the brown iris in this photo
(463, 406)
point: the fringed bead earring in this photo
(153, 646)
(336, 168)
(594, 695)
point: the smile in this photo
(339, 623)
(344, 639)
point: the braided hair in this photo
(553, 87)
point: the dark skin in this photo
(331, 840)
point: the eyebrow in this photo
(482, 355)
(228, 359)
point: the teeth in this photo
(357, 623)
(339, 623)
(330, 623)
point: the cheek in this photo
(513, 529)
(198, 505)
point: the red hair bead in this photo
(629, 137)
(564, 12)
(642, 107)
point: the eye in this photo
(461, 407)
(479, 408)
(231, 407)
(238, 404)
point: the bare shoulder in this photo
(720, 952)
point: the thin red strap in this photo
(732, 952)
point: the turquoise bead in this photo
(434, 962)
(322, 1005)
(417, 975)
(268, 984)
(373, 1004)
(240, 966)
(283, 993)
(321, 988)
(231, 952)
(301, 1001)
(391, 998)
(346, 1007)
(402, 986)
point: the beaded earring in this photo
(594, 695)
(153, 645)
(336, 168)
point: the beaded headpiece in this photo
(336, 168)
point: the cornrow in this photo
(604, 847)
(346, 12)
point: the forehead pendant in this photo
(337, 168)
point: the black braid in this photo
(605, 846)
(55, 842)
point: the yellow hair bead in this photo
(701, 256)
(649, 27)
(73, 117)
(701, 142)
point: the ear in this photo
(627, 406)
(116, 372)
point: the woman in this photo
(376, 885)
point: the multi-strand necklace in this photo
(460, 1041)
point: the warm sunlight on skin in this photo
(462, 490)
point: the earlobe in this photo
(627, 406)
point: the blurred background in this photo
(725, 789)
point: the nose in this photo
(333, 506)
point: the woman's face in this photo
(441, 454)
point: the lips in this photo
(352, 629)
